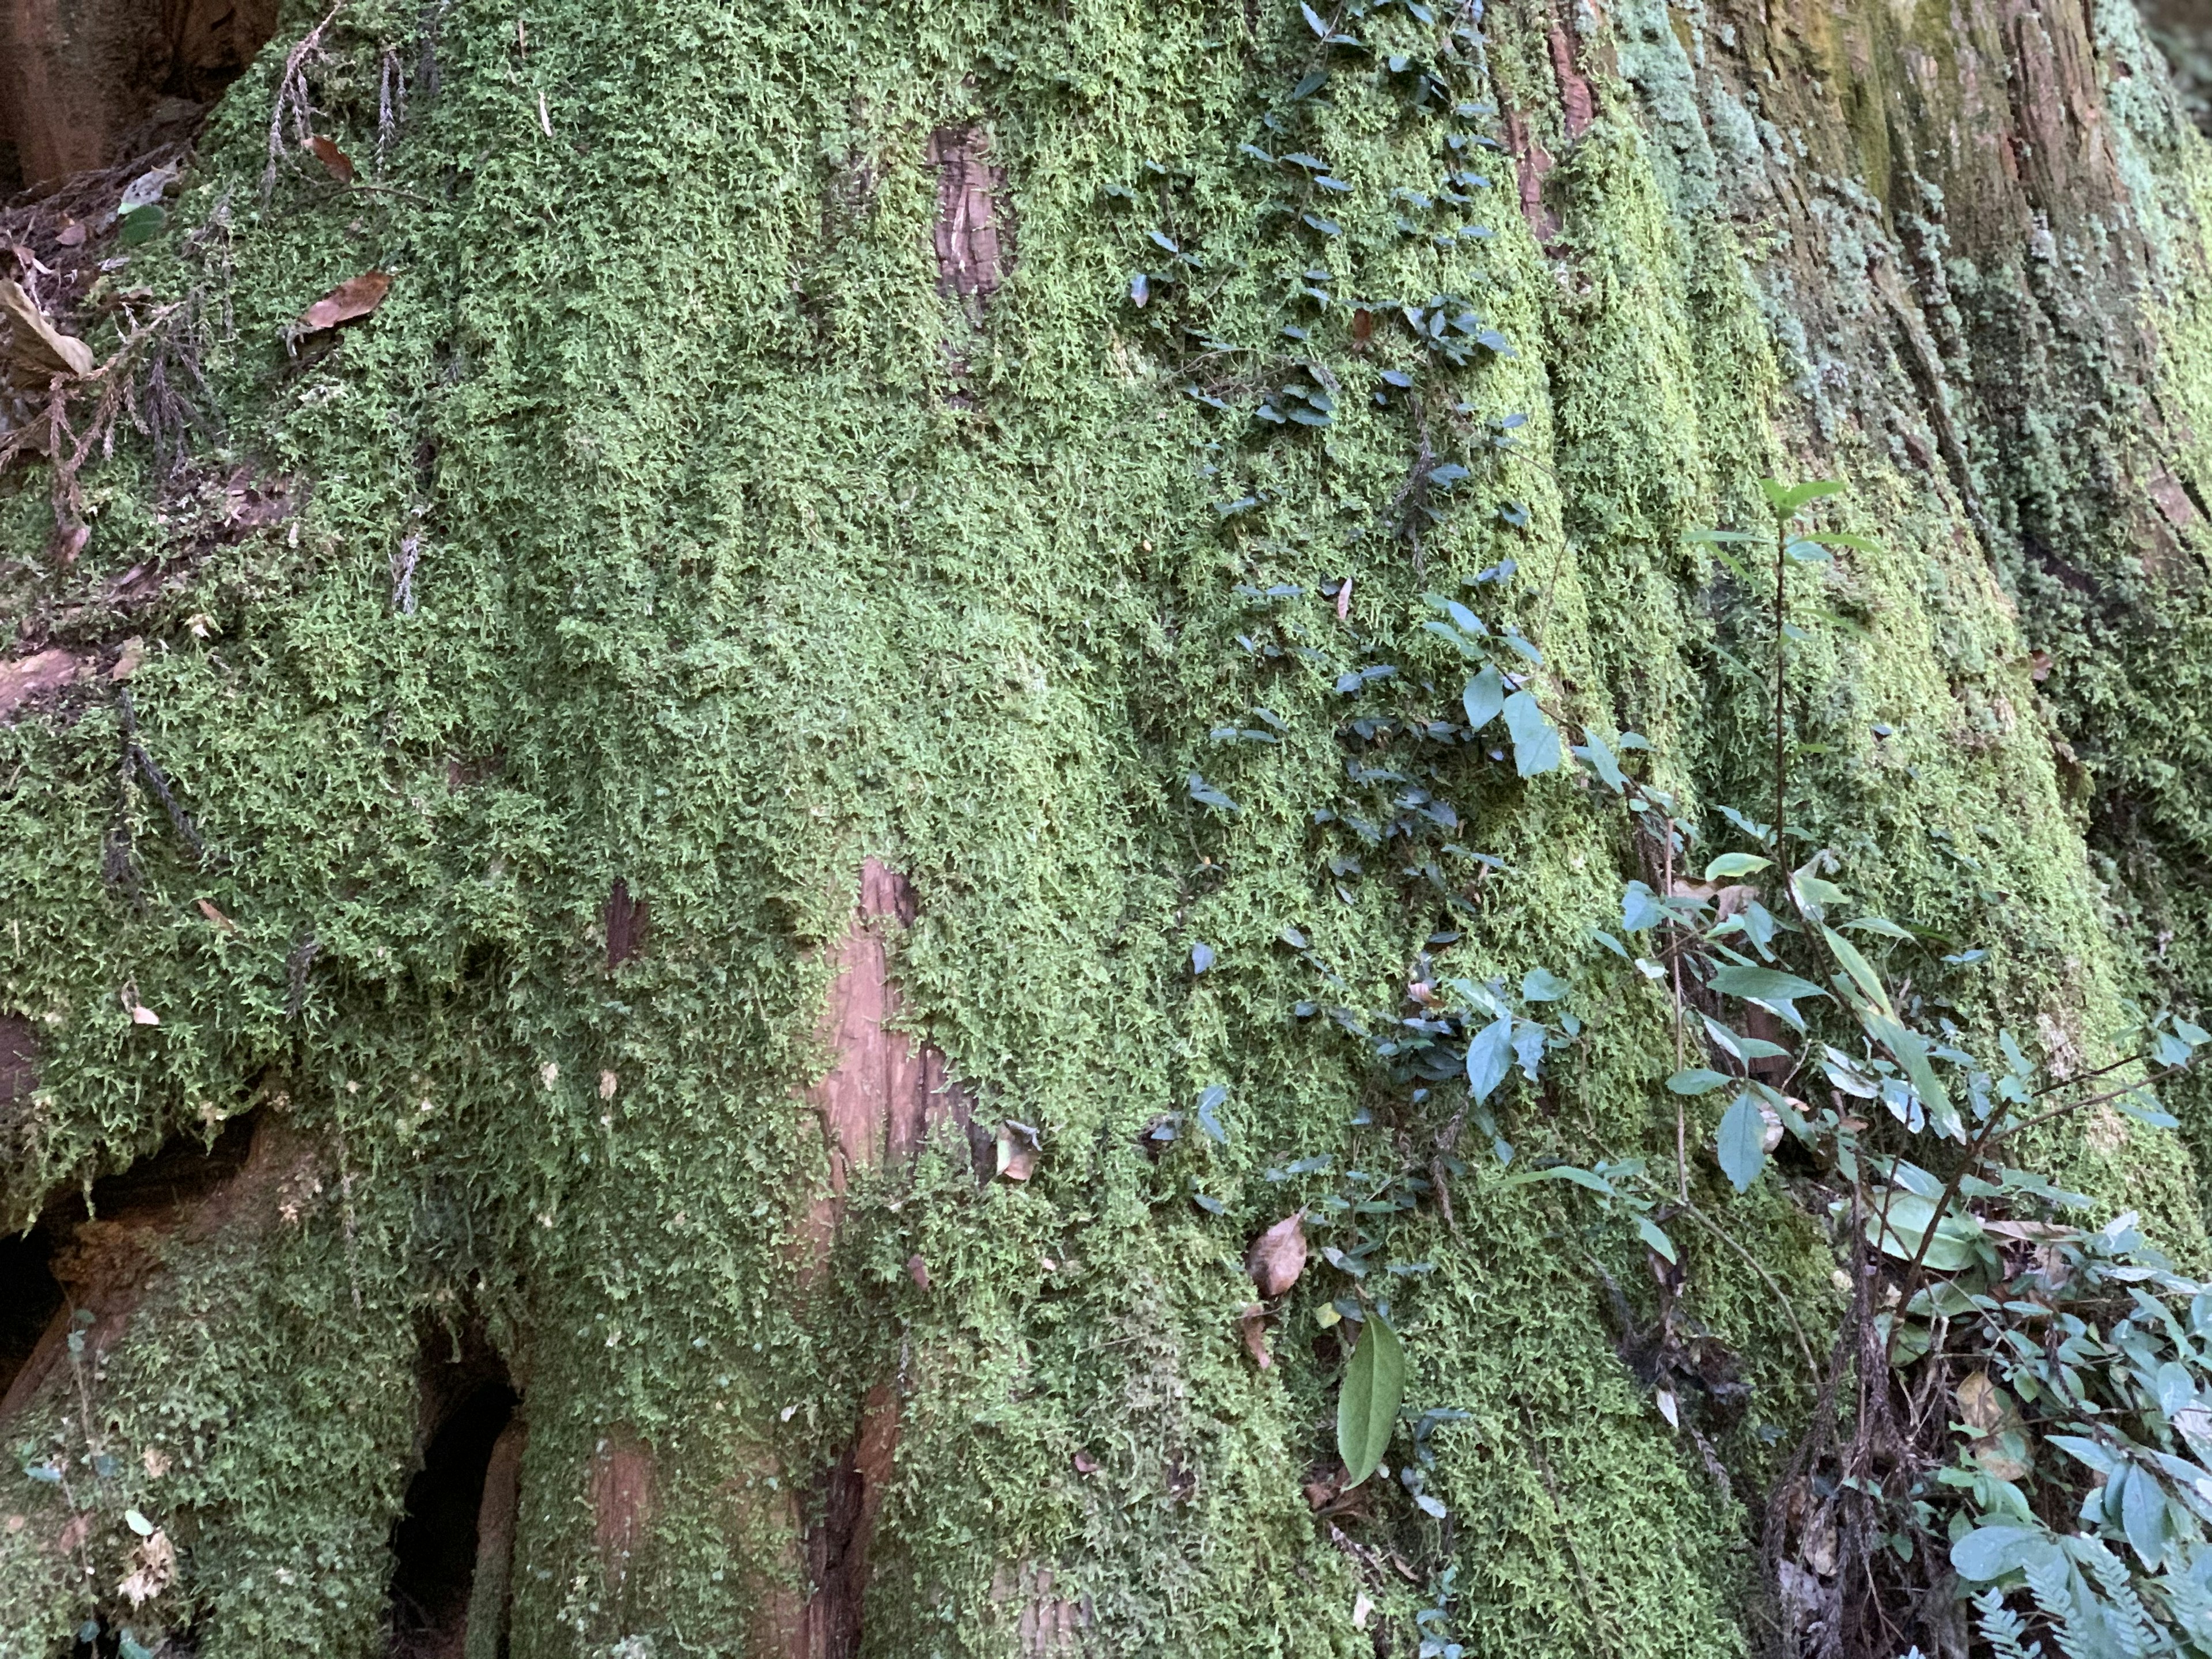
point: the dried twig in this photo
(292, 99)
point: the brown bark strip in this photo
(622, 1497)
(882, 1096)
(77, 75)
(973, 249)
(877, 1105)
(626, 920)
(1577, 105)
(1531, 163)
(491, 1587)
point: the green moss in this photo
(741, 552)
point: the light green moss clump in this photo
(738, 552)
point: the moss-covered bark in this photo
(739, 552)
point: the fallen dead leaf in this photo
(156, 1563)
(1277, 1256)
(74, 1533)
(1085, 1463)
(70, 235)
(1018, 1152)
(66, 544)
(128, 656)
(35, 676)
(1344, 600)
(2038, 665)
(355, 297)
(1363, 1609)
(35, 343)
(1252, 1319)
(222, 921)
(918, 1271)
(608, 1084)
(1981, 1404)
(336, 160)
(157, 1462)
(142, 1015)
(1818, 1547)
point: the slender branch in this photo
(1790, 1312)
(1988, 1136)
(1781, 751)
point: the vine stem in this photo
(1986, 1137)
(1781, 750)
(1788, 1310)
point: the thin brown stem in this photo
(1781, 751)
(1789, 1311)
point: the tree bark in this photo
(663, 781)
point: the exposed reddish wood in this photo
(1531, 162)
(626, 920)
(974, 247)
(882, 1096)
(622, 1502)
(76, 76)
(1577, 104)
(829, 1624)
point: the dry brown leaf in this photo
(142, 1015)
(156, 1569)
(1018, 1153)
(222, 921)
(355, 297)
(35, 676)
(157, 1462)
(1252, 1320)
(918, 1271)
(1981, 1403)
(35, 343)
(128, 656)
(1277, 1256)
(339, 164)
(70, 235)
(78, 1529)
(1085, 1463)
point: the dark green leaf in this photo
(1697, 1080)
(1742, 1142)
(1484, 698)
(1542, 985)
(1536, 739)
(1729, 865)
(1762, 984)
(1989, 1552)
(1489, 1057)
(1367, 1404)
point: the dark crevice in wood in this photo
(453, 1548)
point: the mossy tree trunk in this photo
(664, 782)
